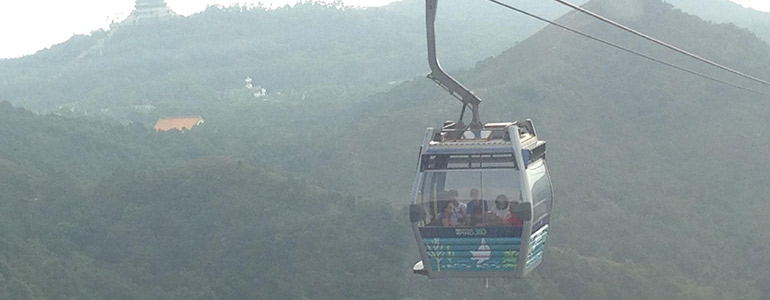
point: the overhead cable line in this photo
(659, 42)
(628, 50)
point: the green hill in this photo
(172, 226)
(659, 176)
(189, 65)
(724, 11)
(652, 167)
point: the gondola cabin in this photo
(481, 201)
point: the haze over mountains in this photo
(725, 11)
(280, 49)
(660, 176)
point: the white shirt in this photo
(459, 215)
(501, 213)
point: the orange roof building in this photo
(180, 123)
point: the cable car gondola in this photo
(478, 163)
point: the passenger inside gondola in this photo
(512, 220)
(499, 213)
(447, 216)
(459, 207)
(476, 209)
(500, 210)
(435, 208)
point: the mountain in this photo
(659, 178)
(186, 65)
(193, 227)
(724, 11)
(180, 227)
(653, 168)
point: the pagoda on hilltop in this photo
(149, 9)
(144, 10)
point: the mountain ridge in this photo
(282, 50)
(724, 11)
(636, 149)
(660, 180)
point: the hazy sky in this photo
(27, 26)
(763, 5)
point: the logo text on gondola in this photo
(470, 231)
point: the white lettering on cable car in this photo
(470, 231)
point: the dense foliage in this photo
(725, 11)
(652, 167)
(166, 226)
(660, 176)
(188, 65)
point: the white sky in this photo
(27, 26)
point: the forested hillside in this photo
(660, 176)
(724, 11)
(652, 167)
(190, 65)
(205, 227)
(175, 226)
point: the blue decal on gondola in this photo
(472, 254)
(536, 245)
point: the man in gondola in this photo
(512, 219)
(459, 207)
(476, 209)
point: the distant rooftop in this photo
(178, 123)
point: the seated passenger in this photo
(436, 207)
(501, 207)
(476, 209)
(512, 220)
(460, 208)
(499, 212)
(447, 216)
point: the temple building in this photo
(144, 10)
(178, 123)
(149, 9)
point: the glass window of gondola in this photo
(490, 174)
